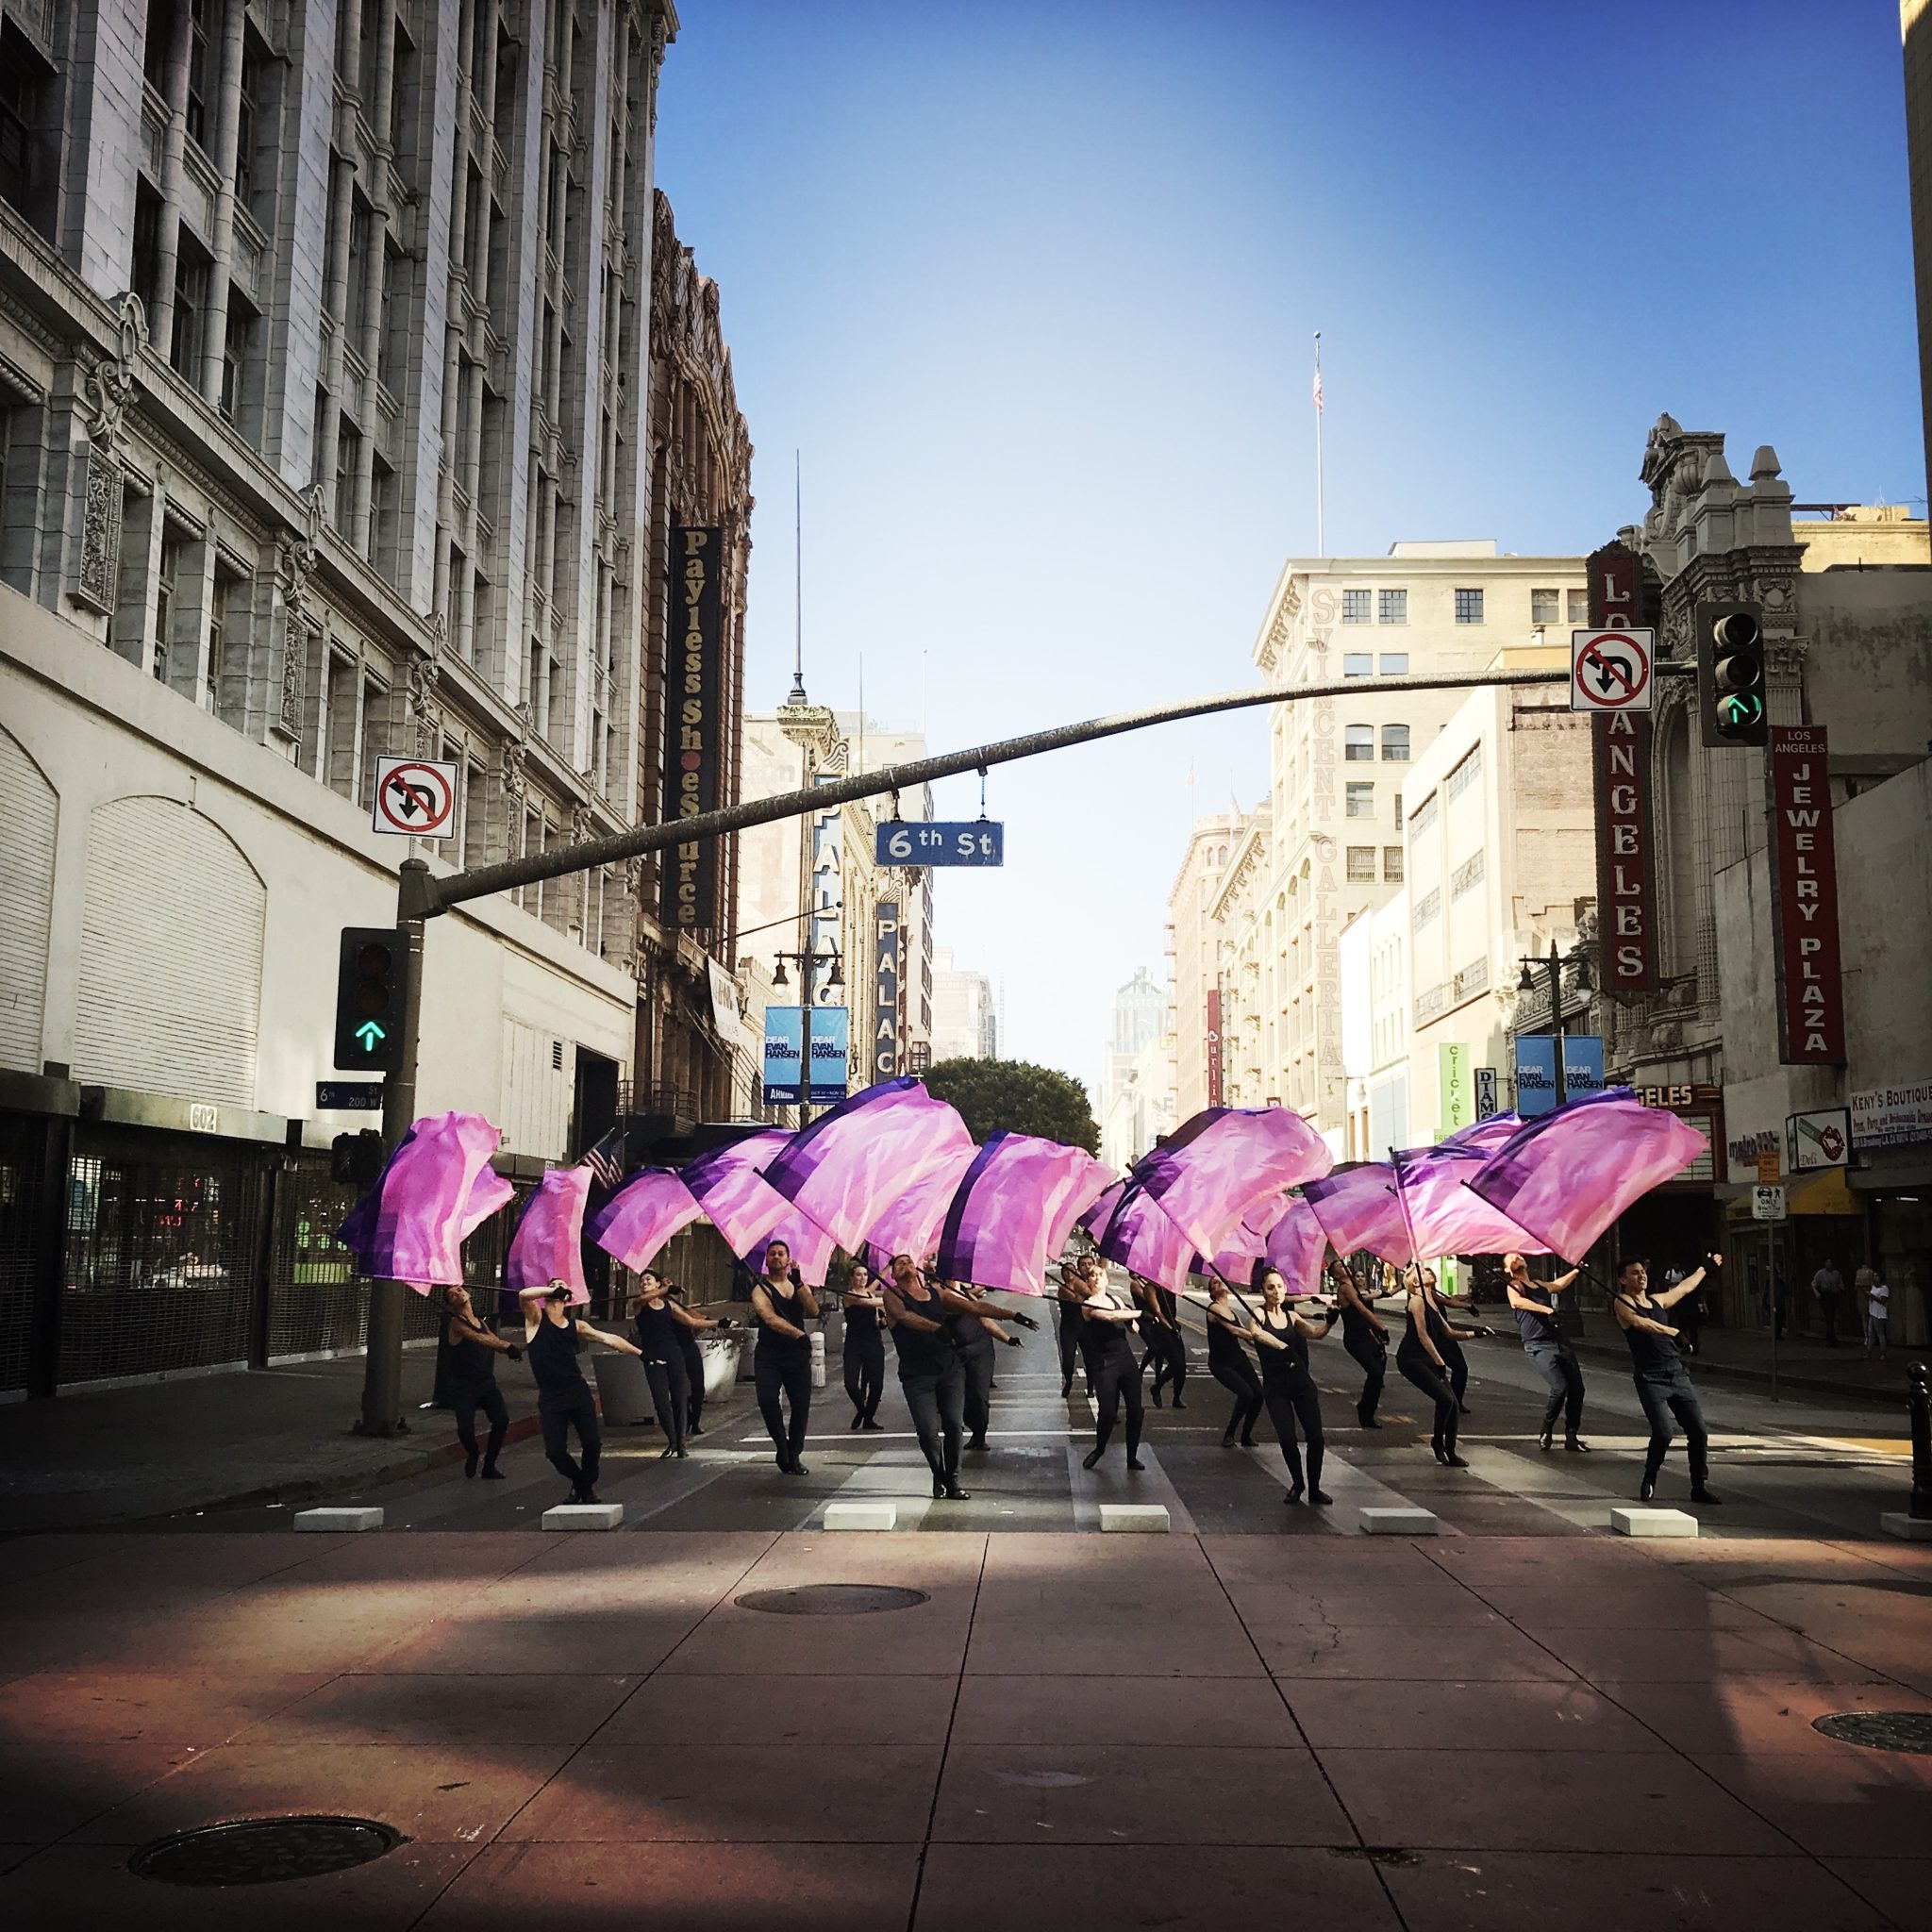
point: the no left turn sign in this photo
(414, 798)
(1610, 670)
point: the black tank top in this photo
(1411, 1342)
(1104, 1339)
(1654, 1357)
(656, 1330)
(552, 1353)
(923, 1352)
(967, 1331)
(1288, 1364)
(1538, 1327)
(861, 1322)
(1446, 1344)
(472, 1365)
(1224, 1349)
(788, 1309)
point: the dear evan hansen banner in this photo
(693, 719)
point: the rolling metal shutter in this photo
(28, 812)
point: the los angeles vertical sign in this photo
(1804, 899)
(1620, 756)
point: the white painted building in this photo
(965, 1017)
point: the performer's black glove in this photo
(1014, 1342)
(1026, 1320)
(515, 1354)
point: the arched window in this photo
(1358, 744)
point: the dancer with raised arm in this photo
(1167, 1348)
(1228, 1326)
(970, 1321)
(1071, 1297)
(1420, 1360)
(1366, 1337)
(864, 1349)
(1663, 1384)
(689, 1327)
(660, 1327)
(1108, 1326)
(1546, 1344)
(930, 1373)
(1282, 1335)
(551, 1334)
(473, 1347)
(781, 1304)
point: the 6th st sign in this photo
(1610, 670)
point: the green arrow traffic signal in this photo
(370, 1034)
(371, 982)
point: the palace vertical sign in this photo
(1620, 757)
(693, 719)
(1804, 899)
(886, 981)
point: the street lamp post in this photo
(807, 963)
(1527, 983)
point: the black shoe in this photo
(797, 1468)
(1700, 1494)
(1092, 1459)
(869, 1423)
(954, 1493)
(1462, 1409)
(1647, 1488)
(590, 1496)
(1227, 1442)
(1366, 1421)
(1452, 1460)
(1441, 1455)
(1157, 1398)
(939, 1487)
(693, 1430)
(470, 1462)
(857, 1421)
(669, 1450)
(784, 1461)
(977, 1442)
(493, 1475)
(1249, 1442)
(1134, 1462)
(1066, 1390)
(1296, 1494)
(1321, 1497)
(1576, 1445)
(1543, 1440)
(681, 1452)
(1178, 1403)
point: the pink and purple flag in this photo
(1143, 1237)
(1442, 1216)
(1566, 1176)
(1226, 1163)
(1357, 1209)
(748, 1212)
(1095, 1219)
(437, 1188)
(641, 1216)
(1014, 1211)
(548, 1245)
(910, 1225)
(846, 1168)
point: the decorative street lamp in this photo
(807, 963)
(1525, 982)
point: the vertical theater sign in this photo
(693, 720)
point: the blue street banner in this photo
(975, 842)
(1535, 1074)
(784, 1045)
(1583, 1065)
(831, 1053)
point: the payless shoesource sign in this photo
(694, 721)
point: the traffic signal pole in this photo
(422, 896)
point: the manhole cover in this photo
(1880, 1730)
(264, 1851)
(830, 1599)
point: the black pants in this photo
(1070, 1351)
(1458, 1368)
(1117, 1378)
(1290, 1402)
(975, 1360)
(670, 1396)
(1416, 1365)
(1665, 1398)
(1169, 1354)
(1373, 1354)
(1241, 1382)
(557, 1414)
(865, 1372)
(788, 1375)
(1827, 1309)
(936, 1398)
(693, 1376)
(489, 1398)
(1564, 1379)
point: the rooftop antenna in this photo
(797, 696)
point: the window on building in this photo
(1395, 744)
(348, 455)
(1394, 664)
(1392, 865)
(1543, 606)
(1361, 863)
(167, 601)
(1428, 907)
(1464, 776)
(1425, 815)
(240, 389)
(1392, 607)
(1579, 607)
(384, 536)
(1468, 606)
(1467, 876)
(1358, 664)
(475, 818)
(192, 269)
(161, 35)
(1358, 744)
(356, 308)
(1355, 607)
(29, 130)
(217, 640)
(1360, 801)
(344, 723)
(1397, 814)
(254, 170)
(144, 263)
(200, 72)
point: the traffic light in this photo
(356, 1157)
(1730, 673)
(370, 985)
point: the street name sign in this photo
(415, 798)
(976, 842)
(1767, 1204)
(1610, 670)
(348, 1096)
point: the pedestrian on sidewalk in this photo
(660, 1325)
(1877, 1300)
(930, 1374)
(1228, 1326)
(1827, 1285)
(1282, 1335)
(864, 1347)
(1166, 1349)
(1420, 1361)
(781, 1304)
(564, 1401)
(470, 1379)
(1663, 1383)
(1366, 1337)
(1546, 1344)
(1109, 1329)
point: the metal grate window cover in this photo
(23, 1181)
(1473, 978)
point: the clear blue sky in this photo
(1032, 286)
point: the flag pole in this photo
(1320, 525)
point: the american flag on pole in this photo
(605, 1159)
(1318, 391)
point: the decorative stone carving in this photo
(100, 532)
(515, 782)
(299, 555)
(422, 677)
(295, 638)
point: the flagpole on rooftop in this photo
(1320, 525)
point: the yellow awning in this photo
(1822, 1192)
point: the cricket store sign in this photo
(1804, 900)
(695, 720)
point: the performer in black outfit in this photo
(661, 1328)
(930, 1373)
(470, 1380)
(1546, 1344)
(974, 1334)
(563, 1397)
(1228, 1363)
(864, 1348)
(694, 1356)
(1167, 1348)
(1282, 1335)
(1663, 1383)
(1418, 1358)
(781, 1304)
(1106, 1323)
(1072, 1297)
(1448, 1339)
(1366, 1337)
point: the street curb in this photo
(1702, 1366)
